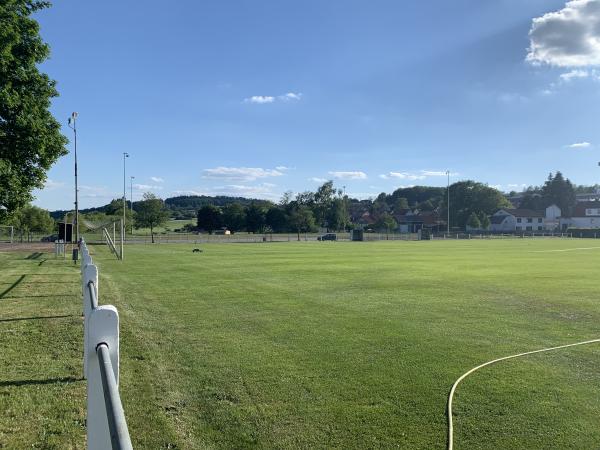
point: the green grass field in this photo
(304, 345)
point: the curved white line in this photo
(451, 396)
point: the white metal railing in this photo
(106, 424)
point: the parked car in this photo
(328, 237)
(51, 238)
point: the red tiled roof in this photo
(580, 208)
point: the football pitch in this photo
(320, 344)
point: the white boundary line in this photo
(566, 249)
(454, 386)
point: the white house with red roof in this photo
(521, 219)
(585, 215)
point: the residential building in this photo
(518, 220)
(585, 215)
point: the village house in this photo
(520, 219)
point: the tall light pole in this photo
(131, 178)
(448, 189)
(73, 125)
(125, 156)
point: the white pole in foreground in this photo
(103, 328)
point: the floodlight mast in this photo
(72, 122)
(125, 155)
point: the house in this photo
(517, 220)
(585, 215)
(412, 221)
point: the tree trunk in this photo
(152, 233)
(298, 234)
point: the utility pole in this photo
(73, 125)
(125, 155)
(448, 189)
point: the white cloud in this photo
(189, 192)
(51, 184)
(353, 175)
(567, 38)
(512, 97)
(433, 173)
(580, 145)
(516, 186)
(282, 168)
(417, 176)
(157, 179)
(262, 99)
(259, 99)
(577, 73)
(146, 187)
(264, 190)
(100, 192)
(290, 96)
(318, 180)
(240, 173)
(402, 176)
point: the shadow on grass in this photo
(25, 297)
(34, 255)
(14, 285)
(39, 382)
(36, 318)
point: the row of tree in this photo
(557, 190)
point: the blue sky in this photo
(255, 98)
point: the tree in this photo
(210, 218)
(150, 213)
(469, 196)
(302, 220)
(255, 218)
(31, 219)
(337, 215)
(234, 216)
(115, 209)
(277, 219)
(484, 219)
(532, 200)
(30, 138)
(400, 203)
(323, 200)
(559, 191)
(386, 223)
(473, 221)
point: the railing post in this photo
(103, 325)
(90, 273)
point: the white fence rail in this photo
(106, 424)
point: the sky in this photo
(253, 99)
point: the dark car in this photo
(51, 238)
(328, 237)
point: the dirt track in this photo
(44, 247)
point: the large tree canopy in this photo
(150, 213)
(467, 197)
(559, 191)
(30, 138)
